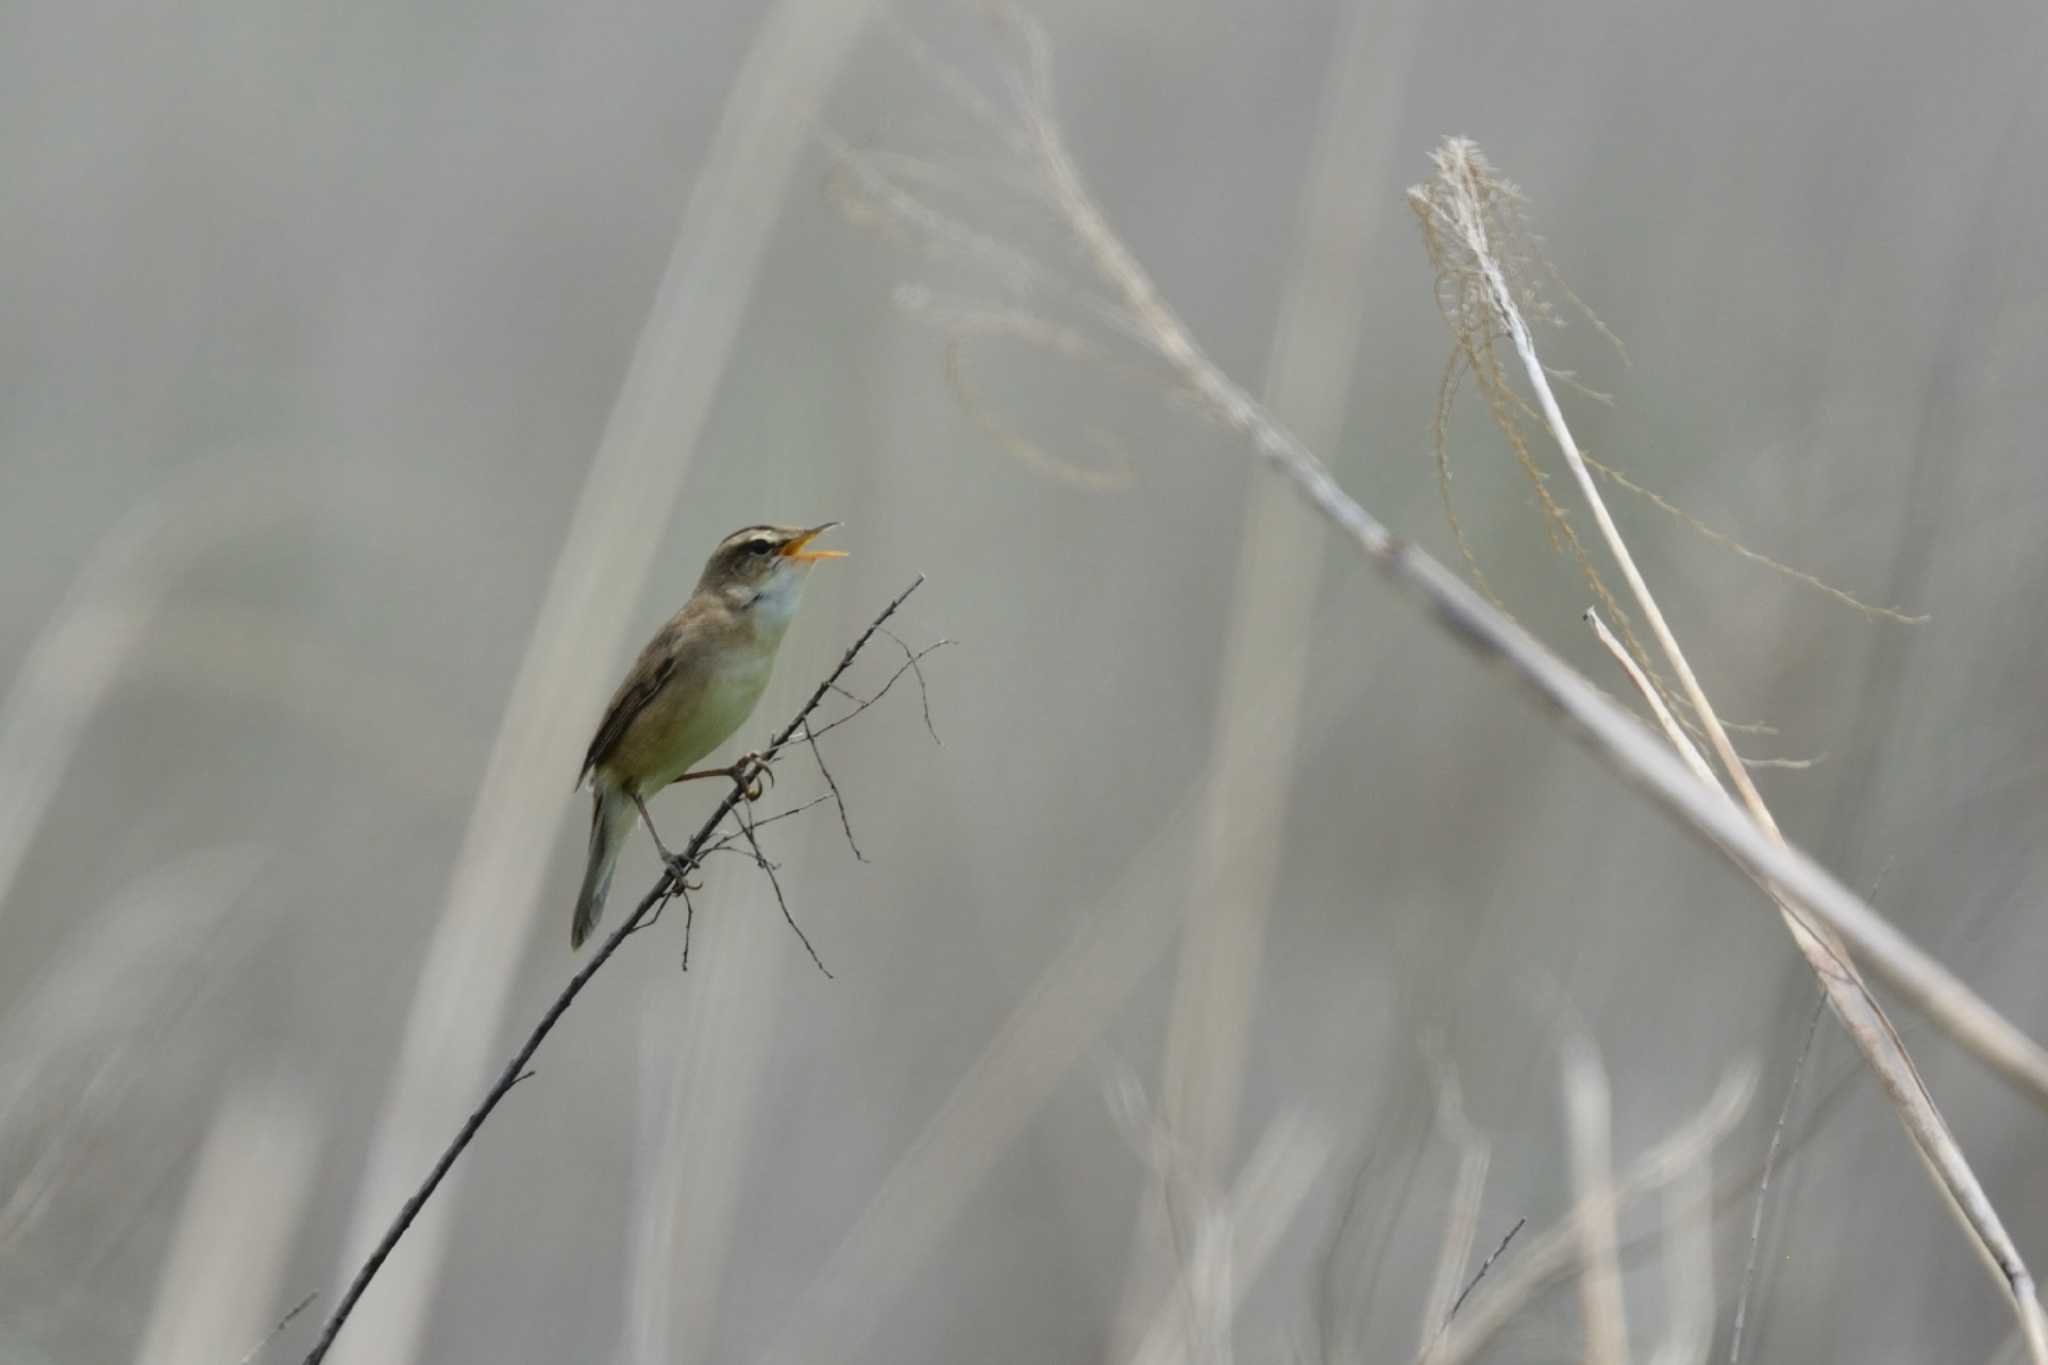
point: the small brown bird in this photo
(692, 686)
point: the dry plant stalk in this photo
(1614, 735)
(1825, 915)
(1232, 1239)
(1559, 1249)
(243, 1208)
(1488, 272)
(1475, 1155)
(1589, 1113)
(1269, 632)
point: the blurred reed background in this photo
(378, 377)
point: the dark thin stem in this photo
(761, 861)
(666, 886)
(301, 1306)
(726, 841)
(837, 800)
(880, 692)
(1484, 1266)
(689, 923)
(924, 696)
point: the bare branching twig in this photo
(671, 883)
(278, 1329)
(1484, 1266)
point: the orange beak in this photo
(795, 549)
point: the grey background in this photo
(311, 319)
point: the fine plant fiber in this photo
(1734, 546)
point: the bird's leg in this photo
(675, 863)
(754, 785)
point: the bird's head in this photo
(770, 563)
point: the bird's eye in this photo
(760, 547)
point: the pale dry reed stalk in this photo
(99, 627)
(1688, 1267)
(217, 1293)
(1461, 1222)
(1610, 732)
(1589, 1122)
(1135, 309)
(1266, 655)
(1119, 937)
(493, 900)
(715, 1038)
(987, 1108)
(101, 1016)
(278, 663)
(1862, 1016)
(1472, 223)
(1232, 1244)
(1560, 1249)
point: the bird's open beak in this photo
(795, 549)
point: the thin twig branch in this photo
(689, 920)
(275, 1332)
(1484, 1266)
(761, 861)
(863, 703)
(838, 801)
(670, 883)
(914, 659)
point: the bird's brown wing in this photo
(651, 672)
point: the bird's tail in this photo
(611, 819)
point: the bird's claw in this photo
(680, 868)
(758, 780)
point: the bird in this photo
(693, 685)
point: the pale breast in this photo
(681, 725)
